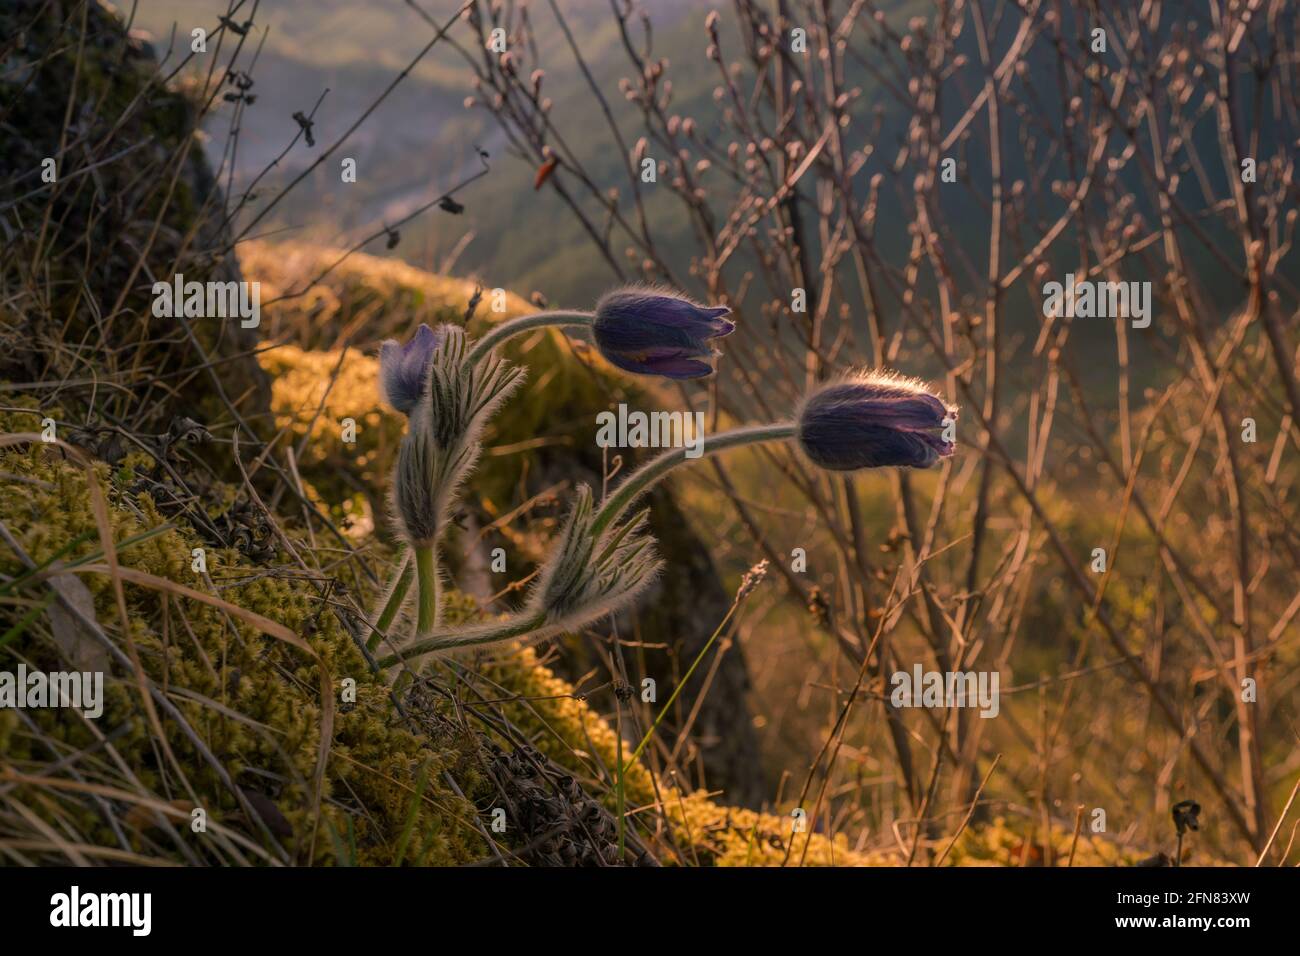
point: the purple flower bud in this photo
(649, 333)
(404, 369)
(874, 420)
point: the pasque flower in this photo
(453, 401)
(651, 333)
(874, 420)
(404, 367)
(449, 386)
(601, 562)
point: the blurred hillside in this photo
(423, 140)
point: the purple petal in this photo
(910, 410)
(403, 368)
(663, 314)
(874, 421)
(424, 341)
(668, 361)
(683, 368)
(837, 447)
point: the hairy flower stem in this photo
(526, 323)
(426, 572)
(429, 642)
(399, 584)
(652, 471)
(467, 637)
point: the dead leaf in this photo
(275, 821)
(79, 646)
(544, 172)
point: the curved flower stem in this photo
(637, 483)
(468, 637)
(644, 477)
(526, 323)
(399, 584)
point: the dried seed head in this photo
(752, 579)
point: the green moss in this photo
(363, 299)
(253, 700)
(545, 708)
(1000, 844)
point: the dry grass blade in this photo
(99, 507)
(264, 624)
(119, 573)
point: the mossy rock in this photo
(255, 701)
(148, 210)
(319, 297)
